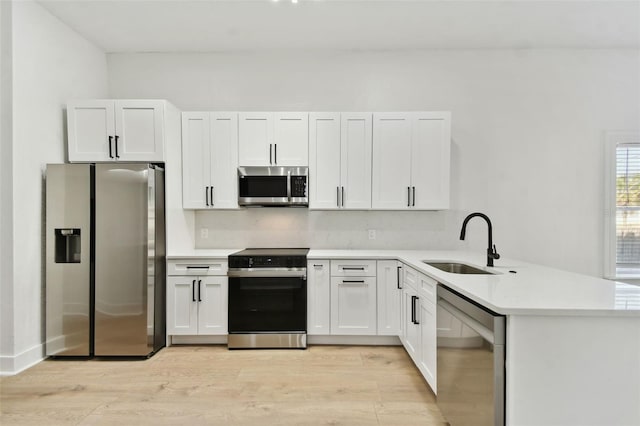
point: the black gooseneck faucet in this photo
(491, 249)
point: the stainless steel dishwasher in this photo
(471, 361)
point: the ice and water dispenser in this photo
(67, 245)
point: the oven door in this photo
(268, 304)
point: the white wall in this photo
(51, 64)
(6, 181)
(527, 138)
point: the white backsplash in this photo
(300, 227)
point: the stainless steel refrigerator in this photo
(105, 260)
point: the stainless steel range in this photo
(268, 298)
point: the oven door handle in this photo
(267, 273)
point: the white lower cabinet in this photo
(389, 297)
(419, 322)
(411, 326)
(428, 346)
(318, 297)
(197, 304)
(353, 298)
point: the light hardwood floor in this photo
(202, 385)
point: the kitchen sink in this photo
(457, 268)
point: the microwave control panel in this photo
(298, 186)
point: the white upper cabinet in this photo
(209, 160)
(340, 161)
(116, 130)
(411, 160)
(273, 139)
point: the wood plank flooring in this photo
(210, 385)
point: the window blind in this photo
(627, 207)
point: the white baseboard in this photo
(198, 340)
(14, 364)
(354, 340)
(312, 340)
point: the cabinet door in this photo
(430, 159)
(324, 161)
(291, 139)
(353, 305)
(389, 297)
(255, 144)
(140, 130)
(224, 160)
(411, 331)
(318, 297)
(91, 130)
(356, 160)
(196, 160)
(182, 305)
(212, 305)
(427, 352)
(391, 179)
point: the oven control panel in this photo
(269, 258)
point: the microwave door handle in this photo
(289, 185)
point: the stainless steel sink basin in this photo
(457, 268)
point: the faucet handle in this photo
(495, 254)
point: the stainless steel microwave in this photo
(273, 186)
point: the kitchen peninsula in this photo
(573, 341)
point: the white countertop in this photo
(196, 253)
(531, 290)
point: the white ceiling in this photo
(224, 25)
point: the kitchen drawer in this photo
(409, 277)
(427, 287)
(197, 267)
(353, 268)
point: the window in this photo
(622, 239)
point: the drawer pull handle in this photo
(349, 268)
(198, 267)
(352, 281)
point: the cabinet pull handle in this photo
(408, 196)
(199, 294)
(414, 197)
(198, 267)
(413, 310)
(317, 266)
(270, 155)
(338, 196)
(206, 195)
(110, 141)
(416, 310)
(275, 153)
(353, 268)
(352, 281)
(117, 156)
(193, 291)
(212, 203)
(343, 196)
(399, 269)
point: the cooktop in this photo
(272, 252)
